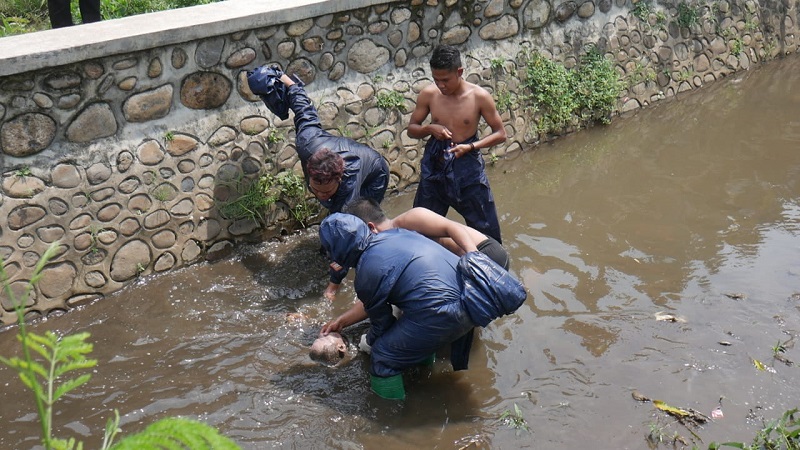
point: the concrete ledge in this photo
(51, 48)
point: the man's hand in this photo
(440, 132)
(460, 150)
(334, 325)
(330, 291)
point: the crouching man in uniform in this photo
(442, 297)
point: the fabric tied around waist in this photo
(488, 291)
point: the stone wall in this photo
(123, 148)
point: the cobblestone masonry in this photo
(125, 159)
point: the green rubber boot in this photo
(428, 362)
(390, 388)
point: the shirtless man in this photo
(452, 168)
(454, 236)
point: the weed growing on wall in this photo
(391, 100)
(688, 15)
(256, 198)
(560, 98)
(51, 366)
(642, 9)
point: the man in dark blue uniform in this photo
(442, 297)
(338, 170)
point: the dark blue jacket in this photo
(405, 269)
(366, 173)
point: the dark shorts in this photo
(491, 248)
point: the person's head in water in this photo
(329, 349)
(446, 69)
(370, 212)
(325, 170)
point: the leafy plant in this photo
(783, 433)
(685, 74)
(642, 9)
(493, 158)
(387, 143)
(52, 374)
(688, 15)
(561, 98)
(736, 46)
(497, 64)
(597, 87)
(257, 196)
(661, 18)
(505, 100)
(23, 172)
(169, 136)
(391, 100)
(13, 25)
(515, 419)
(276, 135)
(548, 89)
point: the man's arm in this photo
(355, 314)
(432, 225)
(488, 111)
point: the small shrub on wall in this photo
(559, 98)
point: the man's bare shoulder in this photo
(478, 91)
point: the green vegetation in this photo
(25, 16)
(497, 64)
(515, 419)
(391, 100)
(641, 73)
(688, 15)
(256, 197)
(23, 172)
(642, 9)
(169, 136)
(780, 434)
(49, 366)
(736, 46)
(276, 135)
(505, 100)
(562, 98)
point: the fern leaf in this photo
(41, 345)
(74, 365)
(69, 385)
(177, 433)
(75, 344)
(32, 366)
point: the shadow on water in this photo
(690, 208)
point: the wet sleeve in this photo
(376, 181)
(337, 273)
(306, 121)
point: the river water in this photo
(689, 208)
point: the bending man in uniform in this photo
(337, 170)
(457, 238)
(442, 297)
(452, 168)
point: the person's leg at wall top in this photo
(60, 15)
(90, 11)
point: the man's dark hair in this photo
(325, 166)
(445, 57)
(366, 209)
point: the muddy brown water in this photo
(690, 208)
